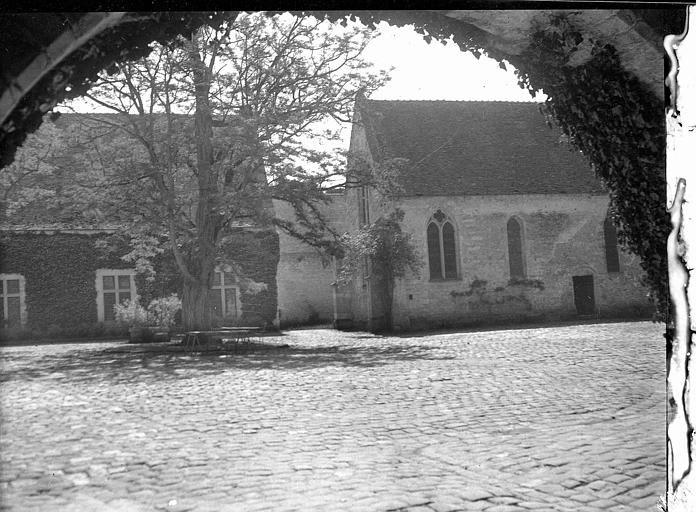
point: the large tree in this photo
(203, 135)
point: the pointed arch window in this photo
(515, 252)
(611, 249)
(442, 249)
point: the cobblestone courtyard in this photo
(562, 419)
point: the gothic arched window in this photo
(611, 249)
(515, 253)
(442, 250)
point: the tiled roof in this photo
(475, 148)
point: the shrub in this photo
(54, 331)
(98, 330)
(116, 331)
(163, 311)
(57, 332)
(84, 330)
(130, 313)
(38, 333)
(14, 333)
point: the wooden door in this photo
(583, 287)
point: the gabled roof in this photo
(475, 148)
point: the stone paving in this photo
(550, 419)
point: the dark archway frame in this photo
(610, 124)
(634, 176)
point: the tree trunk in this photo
(196, 311)
(195, 307)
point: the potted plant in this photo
(132, 314)
(148, 324)
(162, 314)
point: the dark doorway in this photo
(583, 286)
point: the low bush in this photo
(56, 332)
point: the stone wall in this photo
(304, 276)
(305, 294)
(562, 237)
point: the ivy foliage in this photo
(389, 248)
(391, 252)
(59, 275)
(618, 124)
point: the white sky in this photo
(422, 71)
(432, 71)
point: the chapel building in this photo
(510, 221)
